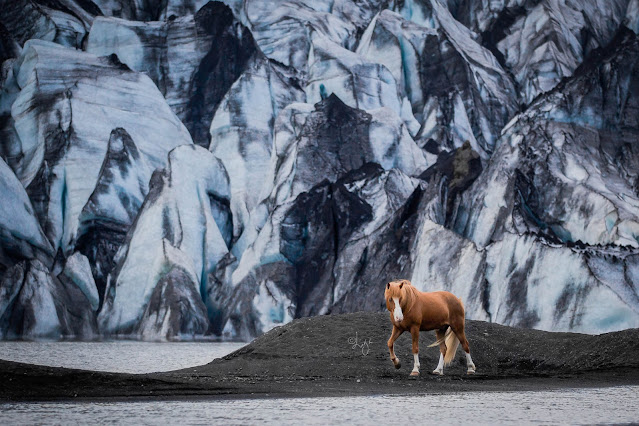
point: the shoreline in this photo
(154, 387)
(316, 357)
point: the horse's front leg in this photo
(391, 342)
(414, 332)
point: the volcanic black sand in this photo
(318, 357)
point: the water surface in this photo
(119, 356)
(569, 406)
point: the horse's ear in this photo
(388, 285)
(401, 285)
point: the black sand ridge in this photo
(318, 356)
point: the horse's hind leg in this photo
(391, 342)
(414, 332)
(464, 342)
(442, 351)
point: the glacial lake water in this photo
(567, 406)
(571, 406)
(119, 356)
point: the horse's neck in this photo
(409, 293)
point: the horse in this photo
(413, 310)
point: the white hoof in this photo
(438, 372)
(414, 373)
(471, 369)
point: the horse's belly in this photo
(431, 323)
(431, 326)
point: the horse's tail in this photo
(451, 341)
(451, 346)
(442, 340)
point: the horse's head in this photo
(395, 295)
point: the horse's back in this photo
(441, 307)
(450, 298)
(444, 297)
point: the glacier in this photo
(184, 226)
(66, 22)
(58, 142)
(193, 60)
(242, 131)
(470, 102)
(179, 169)
(149, 10)
(36, 305)
(542, 41)
(568, 224)
(21, 234)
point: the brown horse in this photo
(413, 310)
